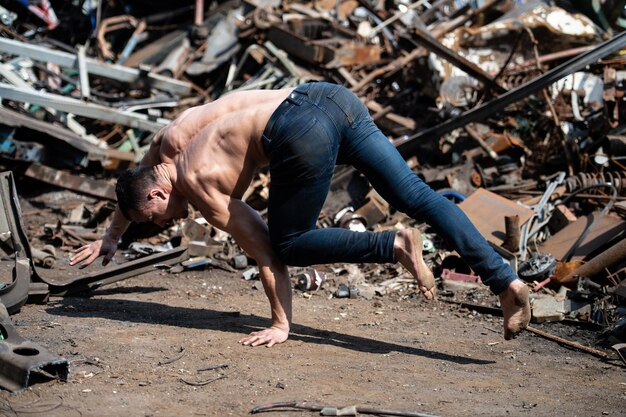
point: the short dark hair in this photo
(132, 187)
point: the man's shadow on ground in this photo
(201, 318)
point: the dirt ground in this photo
(132, 345)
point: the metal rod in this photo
(199, 16)
(83, 73)
(512, 231)
(315, 407)
(478, 138)
(569, 343)
(462, 63)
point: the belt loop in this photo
(303, 88)
(299, 94)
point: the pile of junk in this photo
(512, 109)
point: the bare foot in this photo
(408, 250)
(516, 308)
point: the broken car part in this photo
(14, 294)
(537, 267)
(21, 358)
(116, 273)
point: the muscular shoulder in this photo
(170, 142)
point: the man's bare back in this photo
(219, 144)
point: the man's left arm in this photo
(245, 225)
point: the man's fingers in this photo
(246, 340)
(87, 260)
(92, 258)
(79, 257)
(264, 341)
(81, 249)
(258, 342)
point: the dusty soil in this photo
(132, 345)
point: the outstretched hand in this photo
(269, 337)
(89, 253)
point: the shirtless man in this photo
(208, 156)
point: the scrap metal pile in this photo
(513, 109)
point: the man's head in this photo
(143, 195)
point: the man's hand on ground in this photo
(269, 337)
(89, 253)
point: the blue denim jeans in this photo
(321, 125)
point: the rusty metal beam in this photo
(66, 180)
(120, 272)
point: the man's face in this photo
(162, 209)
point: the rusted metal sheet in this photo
(488, 211)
